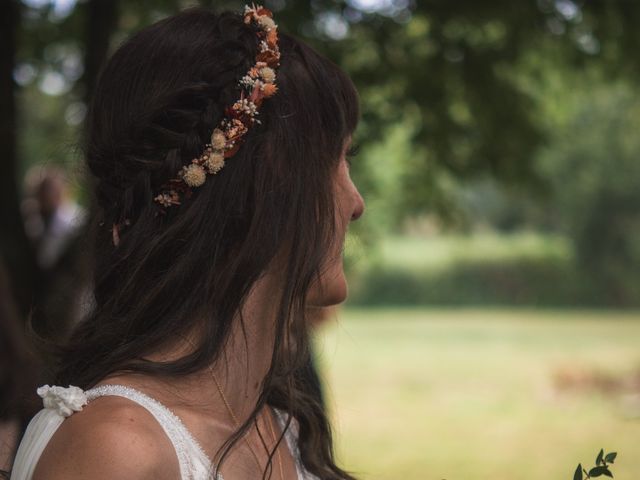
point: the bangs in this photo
(321, 100)
(345, 96)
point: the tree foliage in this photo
(450, 74)
(592, 166)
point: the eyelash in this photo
(353, 150)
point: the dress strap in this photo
(289, 426)
(191, 456)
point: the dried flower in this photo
(193, 175)
(267, 74)
(269, 89)
(214, 162)
(256, 85)
(266, 23)
(246, 106)
(272, 38)
(163, 199)
(218, 139)
(247, 81)
(166, 199)
(268, 56)
(236, 129)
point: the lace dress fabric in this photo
(61, 402)
(194, 463)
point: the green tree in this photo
(592, 165)
(448, 70)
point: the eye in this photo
(353, 150)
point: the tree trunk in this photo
(101, 21)
(14, 245)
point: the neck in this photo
(243, 364)
(239, 371)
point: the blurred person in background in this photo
(52, 218)
(54, 223)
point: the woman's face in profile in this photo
(331, 288)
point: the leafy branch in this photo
(601, 468)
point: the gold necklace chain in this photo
(233, 416)
(237, 423)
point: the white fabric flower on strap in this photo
(64, 401)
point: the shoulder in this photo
(112, 437)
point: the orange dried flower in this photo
(264, 11)
(272, 38)
(269, 57)
(269, 89)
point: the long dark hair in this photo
(154, 108)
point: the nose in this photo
(358, 208)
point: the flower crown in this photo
(256, 85)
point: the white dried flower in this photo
(218, 139)
(64, 401)
(246, 106)
(266, 22)
(193, 175)
(163, 199)
(214, 162)
(247, 81)
(267, 74)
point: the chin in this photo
(331, 290)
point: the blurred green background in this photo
(492, 329)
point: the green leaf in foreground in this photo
(578, 474)
(610, 457)
(600, 470)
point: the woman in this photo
(218, 148)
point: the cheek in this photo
(331, 289)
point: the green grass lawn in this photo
(482, 394)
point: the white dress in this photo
(60, 402)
